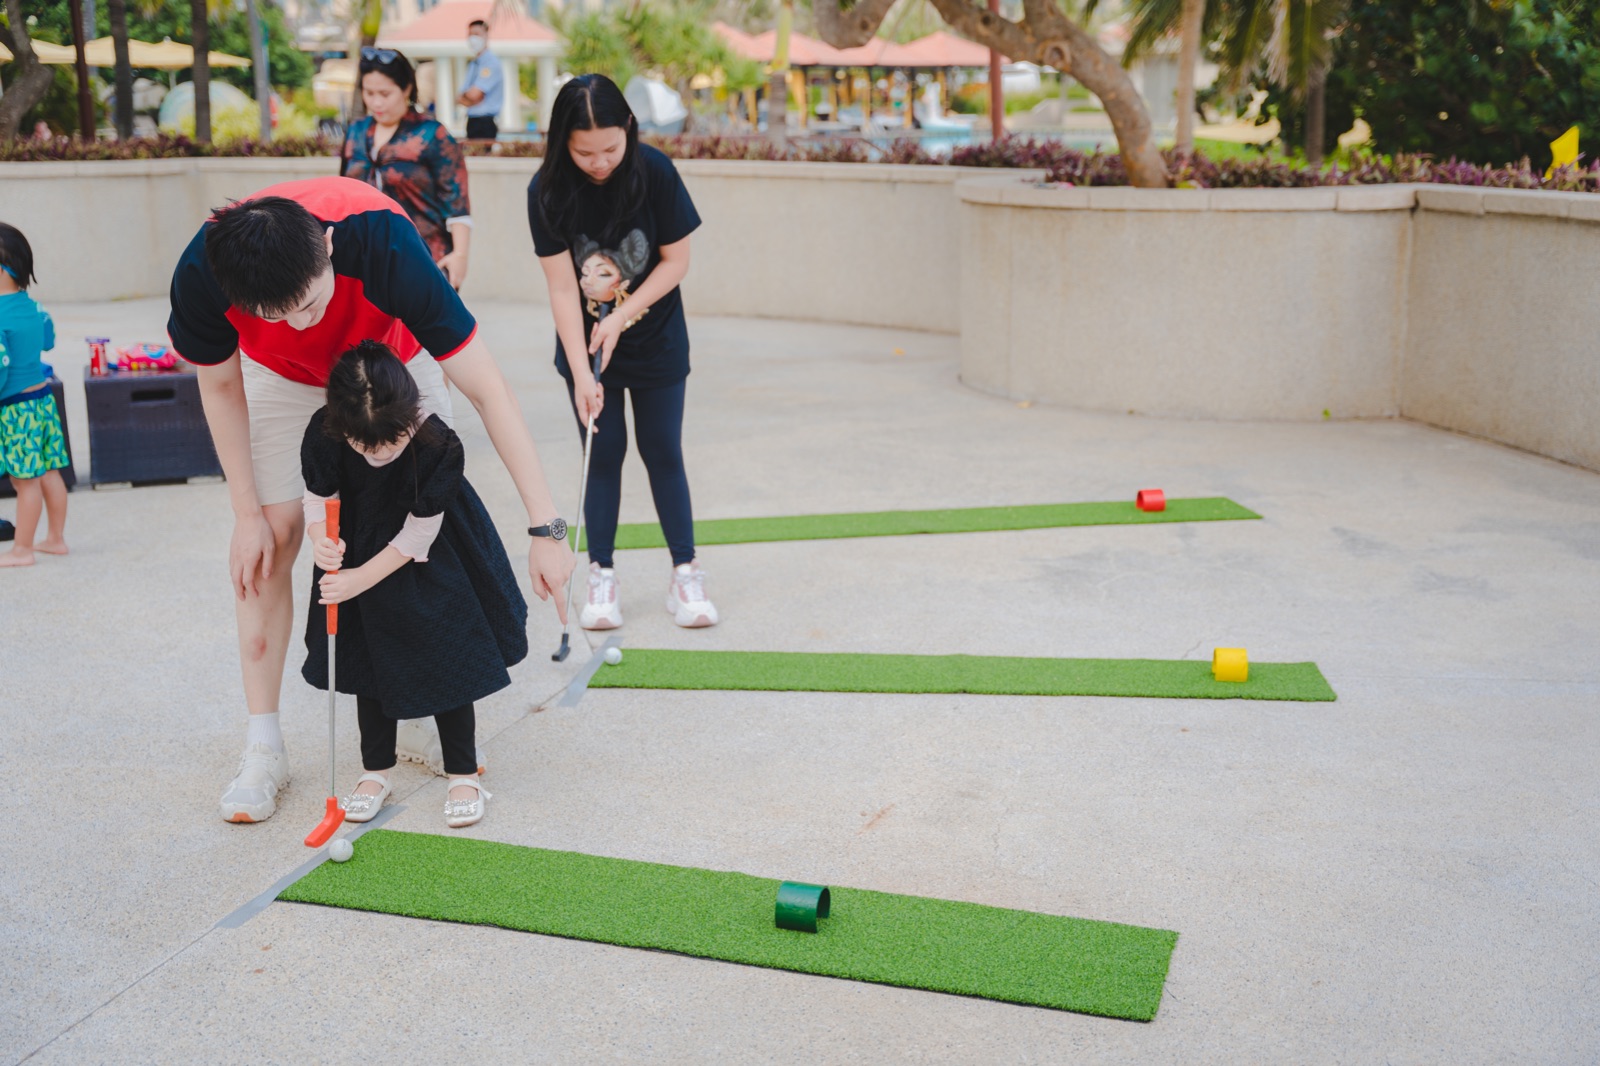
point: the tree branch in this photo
(32, 80)
(853, 28)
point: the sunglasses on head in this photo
(379, 55)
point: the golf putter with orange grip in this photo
(330, 821)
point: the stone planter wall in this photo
(1465, 308)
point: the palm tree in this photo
(778, 86)
(123, 118)
(1293, 38)
(258, 57)
(200, 76)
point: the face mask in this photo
(476, 43)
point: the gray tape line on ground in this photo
(580, 684)
(263, 901)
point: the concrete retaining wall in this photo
(874, 245)
(1465, 308)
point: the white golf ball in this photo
(613, 656)
(340, 849)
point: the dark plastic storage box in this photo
(68, 475)
(147, 426)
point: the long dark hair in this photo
(397, 69)
(588, 102)
(372, 397)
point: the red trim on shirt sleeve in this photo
(457, 348)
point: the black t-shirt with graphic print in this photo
(613, 256)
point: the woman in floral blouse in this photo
(411, 158)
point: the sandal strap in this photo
(457, 782)
(376, 778)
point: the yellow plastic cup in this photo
(1230, 664)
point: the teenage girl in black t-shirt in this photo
(611, 223)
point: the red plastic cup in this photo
(1151, 500)
(97, 355)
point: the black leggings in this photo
(456, 737)
(658, 428)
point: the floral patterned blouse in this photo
(420, 167)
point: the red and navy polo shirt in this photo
(386, 287)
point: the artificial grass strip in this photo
(786, 671)
(958, 520)
(1015, 956)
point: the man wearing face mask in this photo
(484, 90)
(267, 296)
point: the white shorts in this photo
(280, 409)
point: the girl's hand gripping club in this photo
(335, 814)
(577, 536)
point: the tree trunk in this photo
(1316, 116)
(200, 39)
(1194, 14)
(258, 57)
(86, 128)
(31, 80)
(997, 90)
(688, 105)
(778, 86)
(1047, 36)
(1106, 78)
(371, 23)
(118, 10)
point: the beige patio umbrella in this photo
(47, 53)
(101, 52)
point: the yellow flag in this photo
(1563, 150)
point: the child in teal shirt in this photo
(33, 449)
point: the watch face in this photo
(558, 528)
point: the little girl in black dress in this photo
(433, 616)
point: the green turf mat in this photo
(787, 671)
(1016, 956)
(958, 520)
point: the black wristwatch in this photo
(556, 530)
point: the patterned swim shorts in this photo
(31, 441)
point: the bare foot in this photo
(16, 557)
(51, 546)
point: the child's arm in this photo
(328, 554)
(348, 584)
(49, 331)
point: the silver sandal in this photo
(458, 814)
(360, 807)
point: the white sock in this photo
(264, 730)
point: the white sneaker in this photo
(417, 740)
(602, 610)
(252, 795)
(686, 599)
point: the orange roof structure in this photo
(934, 51)
(511, 33)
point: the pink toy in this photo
(147, 357)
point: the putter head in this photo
(561, 653)
(328, 826)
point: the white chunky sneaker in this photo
(417, 740)
(686, 599)
(602, 611)
(252, 795)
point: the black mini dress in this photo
(433, 636)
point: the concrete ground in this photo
(1409, 875)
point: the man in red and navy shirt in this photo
(265, 299)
